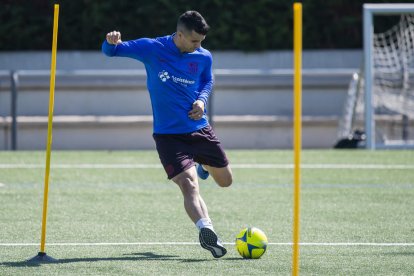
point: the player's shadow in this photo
(167, 257)
(140, 256)
(126, 257)
(398, 254)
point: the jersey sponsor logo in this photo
(164, 76)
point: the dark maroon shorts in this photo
(178, 152)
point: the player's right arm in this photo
(138, 49)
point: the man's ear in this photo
(180, 34)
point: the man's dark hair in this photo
(192, 21)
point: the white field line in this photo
(236, 166)
(2, 185)
(227, 243)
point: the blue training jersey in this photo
(175, 80)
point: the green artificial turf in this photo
(142, 214)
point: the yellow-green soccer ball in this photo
(251, 243)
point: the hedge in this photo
(254, 25)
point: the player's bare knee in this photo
(187, 186)
(225, 181)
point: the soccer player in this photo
(179, 81)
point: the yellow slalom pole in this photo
(49, 125)
(297, 41)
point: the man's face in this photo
(190, 41)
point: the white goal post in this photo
(369, 11)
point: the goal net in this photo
(393, 58)
(387, 106)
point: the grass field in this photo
(115, 213)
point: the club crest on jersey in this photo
(193, 67)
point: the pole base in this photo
(42, 257)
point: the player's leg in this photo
(204, 208)
(188, 183)
(212, 159)
(197, 211)
(222, 176)
(179, 166)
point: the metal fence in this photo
(224, 78)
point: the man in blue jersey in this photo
(179, 81)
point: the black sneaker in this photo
(210, 241)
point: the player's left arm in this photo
(205, 88)
(206, 81)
